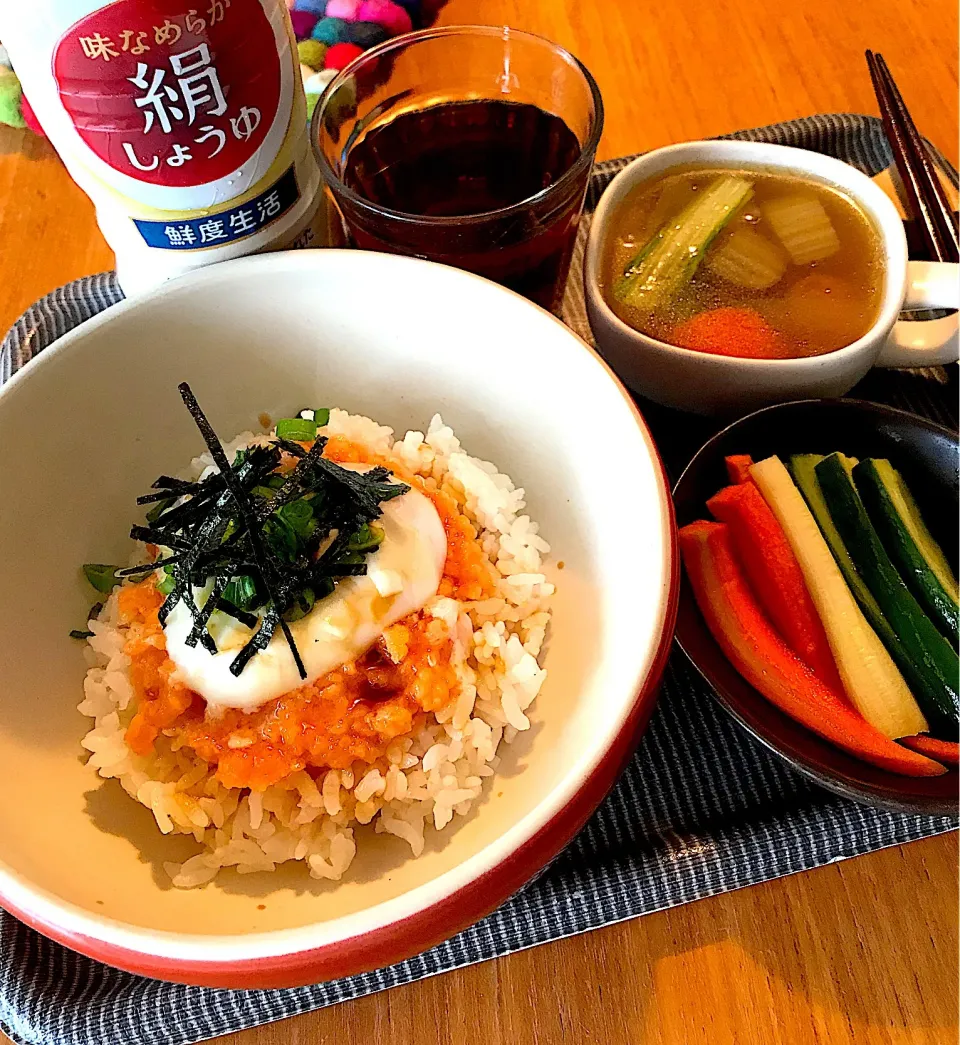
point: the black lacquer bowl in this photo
(926, 455)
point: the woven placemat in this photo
(702, 809)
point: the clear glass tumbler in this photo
(467, 145)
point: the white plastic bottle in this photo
(184, 122)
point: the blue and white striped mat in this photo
(702, 809)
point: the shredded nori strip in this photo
(254, 521)
(160, 495)
(147, 567)
(203, 617)
(157, 535)
(169, 482)
(260, 641)
(288, 635)
(291, 488)
(261, 554)
(292, 448)
(227, 607)
(92, 614)
(183, 588)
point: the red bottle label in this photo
(168, 94)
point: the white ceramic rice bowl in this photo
(86, 427)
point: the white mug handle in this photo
(930, 284)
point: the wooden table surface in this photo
(864, 951)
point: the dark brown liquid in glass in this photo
(472, 158)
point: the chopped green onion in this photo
(83, 635)
(365, 539)
(275, 481)
(298, 429)
(266, 492)
(242, 592)
(319, 415)
(281, 537)
(101, 576)
(168, 583)
(298, 515)
(303, 605)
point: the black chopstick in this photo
(926, 195)
(937, 202)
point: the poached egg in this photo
(403, 574)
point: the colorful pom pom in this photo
(366, 34)
(391, 16)
(312, 53)
(345, 9)
(303, 23)
(11, 95)
(330, 31)
(314, 7)
(340, 55)
(414, 8)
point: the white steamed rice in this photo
(424, 780)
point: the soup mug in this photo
(723, 385)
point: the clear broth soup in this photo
(795, 268)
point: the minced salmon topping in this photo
(467, 574)
(350, 714)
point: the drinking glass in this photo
(467, 145)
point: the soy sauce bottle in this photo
(185, 123)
